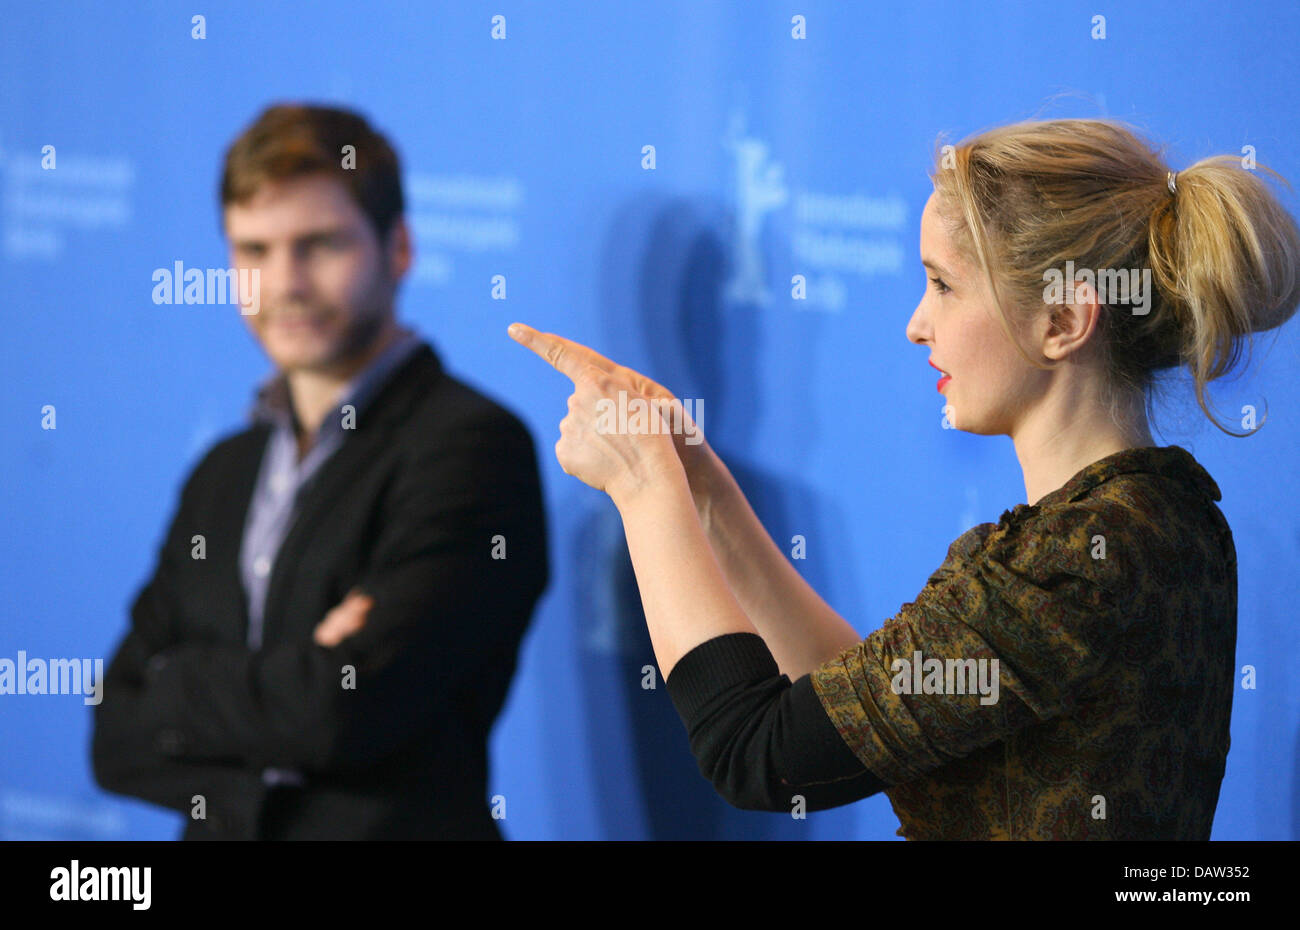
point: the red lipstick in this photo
(942, 381)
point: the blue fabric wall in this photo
(523, 158)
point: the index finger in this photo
(566, 356)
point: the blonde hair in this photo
(1223, 252)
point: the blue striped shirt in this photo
(272, 509)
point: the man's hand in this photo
(344, 620)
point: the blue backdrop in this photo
(524, 157)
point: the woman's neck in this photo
(1051, 457)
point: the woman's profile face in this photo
(991, 386)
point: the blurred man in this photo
(336, 612)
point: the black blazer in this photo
(416, 507)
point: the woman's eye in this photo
(940, 286)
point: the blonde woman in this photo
(1067, 673)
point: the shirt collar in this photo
(1173, 462)
(272, 403)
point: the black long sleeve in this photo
(759, 739)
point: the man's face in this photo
(327, 282)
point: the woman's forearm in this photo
(799, 627)
(684, 595)
(696, 583)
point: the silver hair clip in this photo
(1172, 187)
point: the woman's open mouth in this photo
(942, 381)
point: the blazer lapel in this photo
(227, 599)
(340, 471)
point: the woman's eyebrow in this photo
(937, 267)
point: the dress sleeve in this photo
(763, 743)
(1036, 602)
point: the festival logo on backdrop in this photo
(834, 237)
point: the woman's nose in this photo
(917, 330)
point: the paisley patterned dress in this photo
(1110, 607)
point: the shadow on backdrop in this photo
(664, 266)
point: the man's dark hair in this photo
(291, 140)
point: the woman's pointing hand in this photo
(615, 437)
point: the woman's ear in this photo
(1071, 324)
